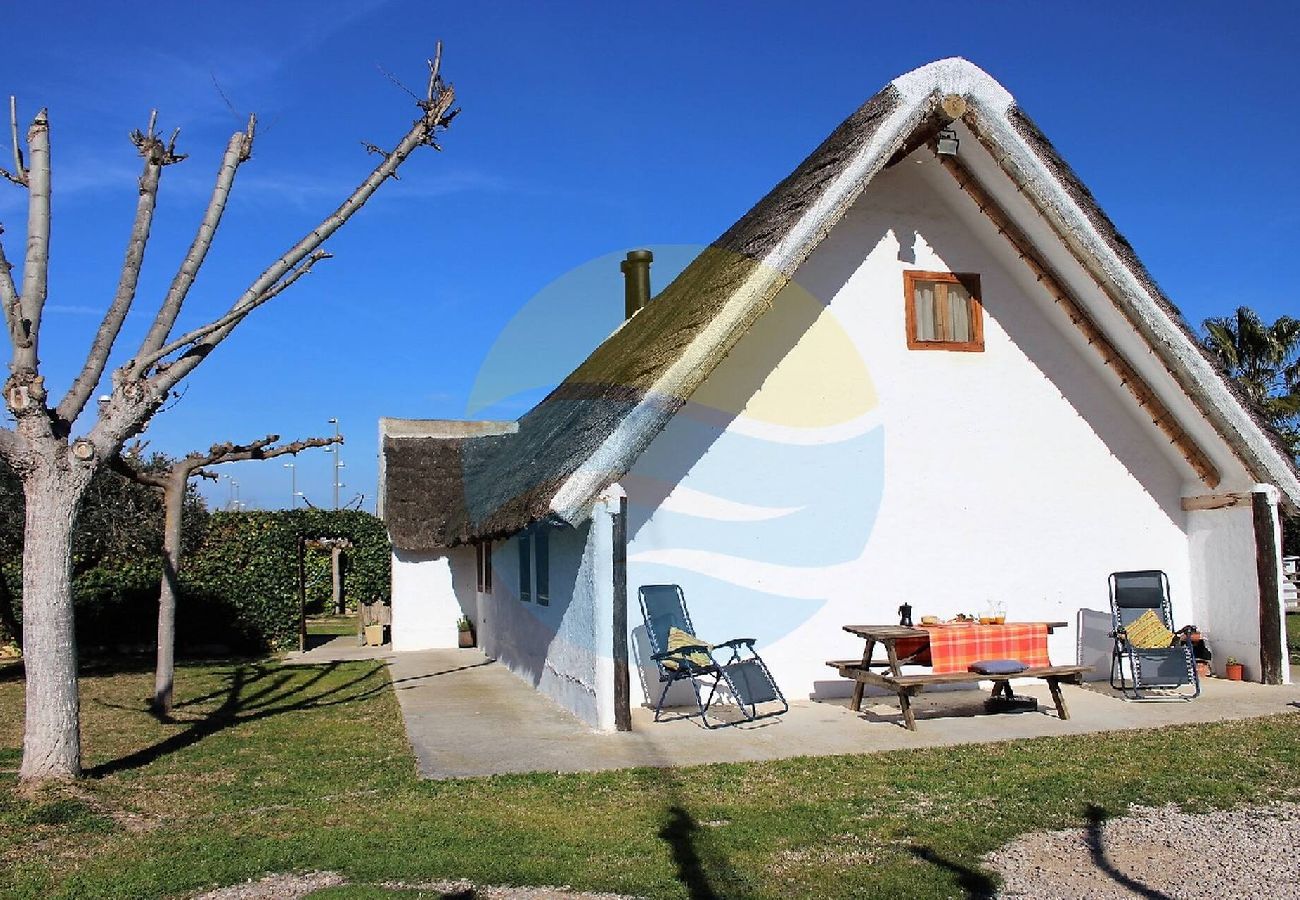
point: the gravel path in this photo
(1159, 852)
(292, 886)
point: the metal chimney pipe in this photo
(636, 280)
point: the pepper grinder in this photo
(905, 615)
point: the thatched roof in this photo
(443, 491)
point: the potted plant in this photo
(466, 629)
(1234, 669)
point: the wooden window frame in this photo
(971, 282)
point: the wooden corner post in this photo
(622, 683)
(1269, 562)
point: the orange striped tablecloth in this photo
(952, 648)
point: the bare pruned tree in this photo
(173, 483)
(54, 465)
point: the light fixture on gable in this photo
(947, 144)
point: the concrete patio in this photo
(467, 716)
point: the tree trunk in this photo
(52, 740)
(165, 668)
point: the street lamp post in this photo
(293, 485)
(338, 462)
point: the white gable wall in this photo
(1023, 474)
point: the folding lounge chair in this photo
(1142, 617)
(742, 672)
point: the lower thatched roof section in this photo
(441, 491)
(505, 484)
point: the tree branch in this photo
(156, 155)
(139, 476)
(8, 294)
(227, 453)
(238, 149)
(19, 175)
(232, 317)
(216, 455)
(436, 112)
(36, 264)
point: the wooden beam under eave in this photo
(1217, 501)
(1161, 416)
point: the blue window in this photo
(525, 568)
(535, 565)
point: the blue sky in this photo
(587, 130)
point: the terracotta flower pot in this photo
(1235, 671)
(466, 638)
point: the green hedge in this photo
(249, 563)
(239, 588)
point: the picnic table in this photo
(950, 650)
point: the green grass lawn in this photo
(331, 626)
(1293, 635)
(272, 768)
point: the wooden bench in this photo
(907, 685)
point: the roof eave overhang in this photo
(1184, 360)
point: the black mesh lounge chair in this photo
(1132, 596)
(742, 670)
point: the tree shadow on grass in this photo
(252, 692)
(681, 833)
(1096, 848)
(976, 884)
(702, 867)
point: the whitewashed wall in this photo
(1224, 589)
(861, 475)
(431, 591)
(553, 648)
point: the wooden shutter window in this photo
(943, 311)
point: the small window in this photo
(525, 568)
(483, 566)
(943, 311)
(542, 565)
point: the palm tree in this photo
(1264, 361)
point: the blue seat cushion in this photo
(997, 667)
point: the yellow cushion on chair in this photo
(677, 639)
(1148, 632)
